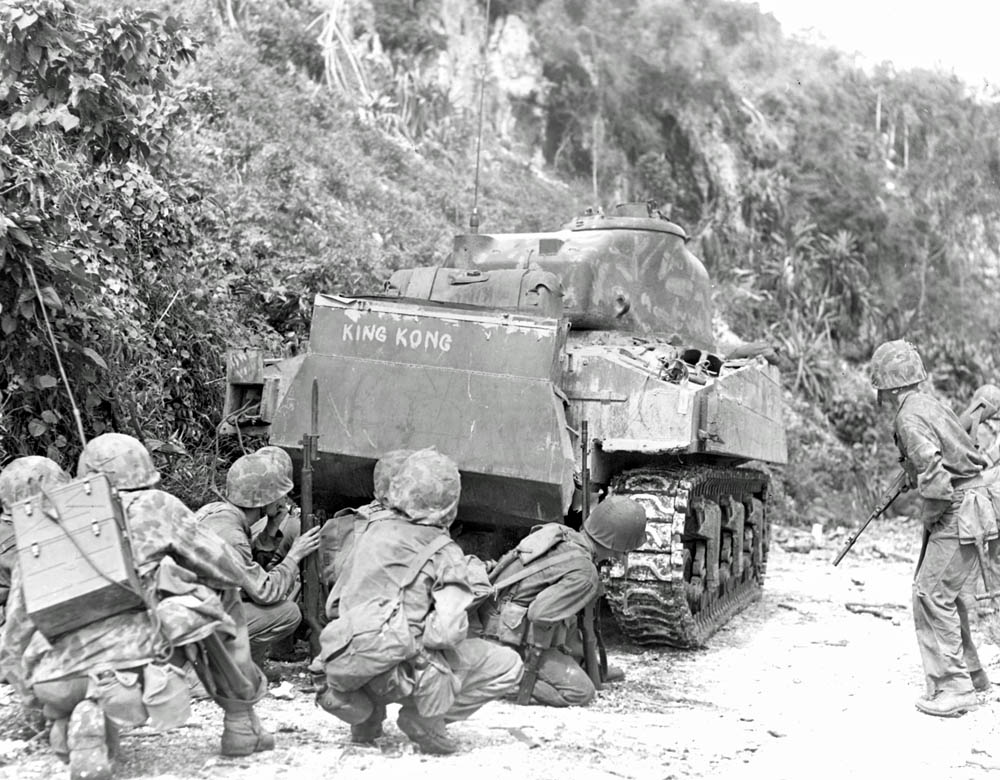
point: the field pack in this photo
(75, 556)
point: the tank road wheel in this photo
(704, 556)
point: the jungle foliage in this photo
(185, 176)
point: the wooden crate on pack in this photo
(75, 556)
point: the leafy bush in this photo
(90, 208)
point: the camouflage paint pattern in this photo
(281, 459)
(426, 488)
(618, 273)
(124, 459)
(174, 554)
(256, 480)
(896, 364)
(386, 468)
(25, 477)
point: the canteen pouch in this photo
(121, 696)
(166, 695)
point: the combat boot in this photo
(242, 733)
(946, 704)
(86, 739)
(57, 739)
(427, 733)
(979, 680)
(370, 729)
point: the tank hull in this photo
(497, 360)
(396, 374)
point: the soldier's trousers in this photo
(269, 624)
(452, 684)
(224, 664)
(937, 609)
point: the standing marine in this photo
(944, 465)
(543, 584)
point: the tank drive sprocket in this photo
(704, 557)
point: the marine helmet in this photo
(280, 457)
(618, 523)
(896, 364)
(123, 458)
(25, 477)
(256, 480)
(385, 469)
(426, 488)
(988, 398)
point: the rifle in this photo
(312, 589)
(532, 660)
(592, 649)
(978, 411)
(890, 495)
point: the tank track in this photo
(704, 556)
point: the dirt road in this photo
(796, 687)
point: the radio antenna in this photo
(474, 217)
(55, 351)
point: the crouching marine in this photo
(399, 622)
(143, 591)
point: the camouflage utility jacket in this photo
(944, 465)
(261, 585)
(550, 598)
(181, 565)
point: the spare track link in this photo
(692, 574)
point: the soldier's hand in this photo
(306, 544)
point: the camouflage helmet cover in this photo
(123, 458)
(617, 523)
(25, 477)
(896, 364)
(426, 488)
(280, 457)
(385, 469)
(256, 480)
(987, 396)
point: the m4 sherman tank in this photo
(502, 356)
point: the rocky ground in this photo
(818, 679)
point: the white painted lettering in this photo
(373, 332)
(415, 338)
(348, 332)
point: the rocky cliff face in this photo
(513, 72)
